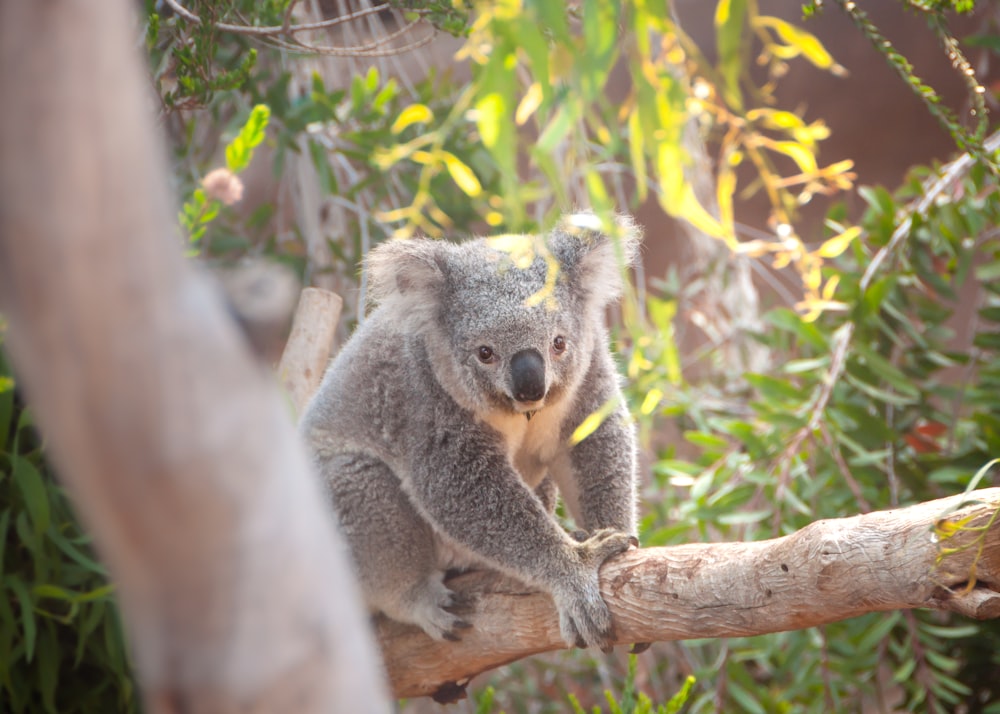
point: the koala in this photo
(444, 425)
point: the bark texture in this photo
(175, 444)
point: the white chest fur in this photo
(535, 445)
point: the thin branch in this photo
(271, 33)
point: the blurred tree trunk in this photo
(175, 445)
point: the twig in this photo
(271, 33)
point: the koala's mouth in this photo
(523, 407)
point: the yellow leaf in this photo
(782, 259)
(413, 114)
(589, 425)
(396, 214)
(653, 398)
(462, 175)
(424, 157)
(797, 153)
(722, 13)
(775, 118)
(812, 278)
(726, 187)
(839, 243)
(806, 43)
(521, 248)
(489, 109)
(831, 287)
(529, 103)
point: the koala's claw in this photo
(584, 617)
(436, 609)
(604, 544)
(453, 636)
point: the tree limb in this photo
(830, 570)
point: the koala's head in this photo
(510, 323)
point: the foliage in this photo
(206, 201)
(871, 402)
(61, 645)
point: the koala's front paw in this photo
(584, 617)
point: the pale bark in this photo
(176, 446)
(831, 570)
(309, 344)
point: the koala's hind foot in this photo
(584, 617)
(431, 606)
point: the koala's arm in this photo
(602, 492)
(464, 484)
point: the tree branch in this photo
(830, 570)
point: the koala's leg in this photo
(394, 549)
(547, 493)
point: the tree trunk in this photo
(175, 444)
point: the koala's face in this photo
(517, 333)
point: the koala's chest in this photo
(533, 446)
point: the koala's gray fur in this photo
(443, 423)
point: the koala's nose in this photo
(527, 372)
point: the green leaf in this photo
(33, 492)
(48, 666)
(557, 129)
(27, 608)
(730, 28)
(790, 321)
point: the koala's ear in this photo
(409, 272)
(596, 261)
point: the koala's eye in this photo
(559, 344)
(486, 355)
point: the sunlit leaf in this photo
(529, 103)
(839, 243)
(461, 174)
(413, 114)
(489, 113)
(593, 421)
(804, 42)
(798, 153)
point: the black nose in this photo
(527, 372)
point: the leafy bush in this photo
(61, 643)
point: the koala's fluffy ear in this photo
(407, 276)
(595, 261)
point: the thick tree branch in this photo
(174, 442)
(828, 571)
